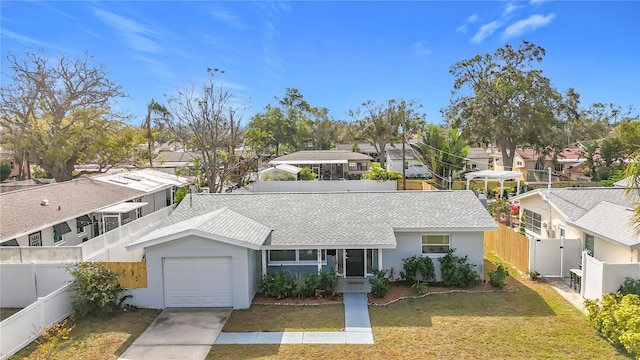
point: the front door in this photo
(355, 262)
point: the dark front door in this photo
(355, 262)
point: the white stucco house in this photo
(71, 212)
(600, 217)
(214, 248)
(413, 167)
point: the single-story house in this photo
(567, 164)
(600, 217)
(327, 164)
(279, 172)
(213, 250)
(413, 167)
(71, 212)
(478, 159)
(170, 161)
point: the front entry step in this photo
(354, 286)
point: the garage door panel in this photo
(198, 282)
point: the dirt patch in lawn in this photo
(261, 299)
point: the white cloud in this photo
(527, 25)
(136, 35)
(538, 2)
(462, 29)
(228, 18)
(511, 7)
(485, 31)
(420, 49)
(473, 18)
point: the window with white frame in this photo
(532, 221)
(296, 256)
(589, 244)
(435, 244)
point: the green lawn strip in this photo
(97, 338)
(275, 318)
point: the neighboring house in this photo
(214, 249)
(599, 217)
(478, 159)
(328, 164)
(413, 168)
(279, 173)
(362, 148)
(9, 158)
(170, 161)
(567, 164)
(71, 212)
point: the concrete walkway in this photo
(179, 334)
(567, 292)
(357, 329)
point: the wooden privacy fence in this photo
(509, 245)
(131, 275)
(416, 185)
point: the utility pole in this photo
(404, 179)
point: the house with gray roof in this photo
(71, 212)
(599, 217)
(214, 248)
(328, 164)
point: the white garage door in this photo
(198, 282)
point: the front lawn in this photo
(287, 318)
(96, 338)
(531, 322)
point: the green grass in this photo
(287, 318)
(96, 338)
(533, 322)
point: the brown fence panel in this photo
(413, 184)
(509, 245)
(131, 275)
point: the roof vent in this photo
(44, 202)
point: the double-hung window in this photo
(532, 221)
(435, 244)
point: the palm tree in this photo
(633, 172)
(152, 108)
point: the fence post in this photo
(583, 281)
(34, 280)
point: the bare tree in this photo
(53, 110)
(213, 121)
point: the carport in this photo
(501, 176)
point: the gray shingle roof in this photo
(396, 153)
(612, 222)
(357, 219)
(223, 222)
(575, 202)
(316, 155)
(21, 212)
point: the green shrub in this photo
(278, 285)
(307, 174)
(496, 277)
(180, 194)
(456, 271)
(96, 290)
(418, 271)
(379, 283)
(378, 173)
(617, 318)
(5, 171)
(630, 286)
(320, 285)
(533, 275)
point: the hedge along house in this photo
(215, 247)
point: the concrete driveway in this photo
(179, 334)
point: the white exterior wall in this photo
(555, 221)
(396, 165)
(255, 270)
(608, 252)
(410, 244)
(192, 246)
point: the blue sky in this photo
(337, 53)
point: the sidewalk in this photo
(566, 292)
(357, 329)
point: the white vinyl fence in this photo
(554, 257)
(106, 247)
(600, 277)
(26, 325)
(322, 186)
